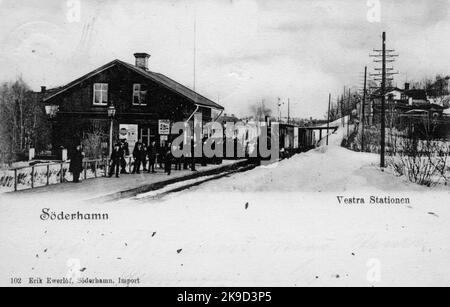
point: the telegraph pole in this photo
(383, 106)
(349, 111)
(195, 50)
(328, 122)
(363, 116)
(289, 111)
(341, 105)
(386, 57)
(342, 110)
(279, 109)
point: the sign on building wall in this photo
(164, 127)
(129, 133)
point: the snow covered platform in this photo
(105, 189)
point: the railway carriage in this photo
(295, 139)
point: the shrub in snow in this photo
(424, 162)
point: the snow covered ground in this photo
(273, 226)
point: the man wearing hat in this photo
(116, 158)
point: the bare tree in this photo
(22, 119)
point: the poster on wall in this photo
(129, 133)
(164, 127)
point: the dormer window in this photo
(139, 94)
(101, 94)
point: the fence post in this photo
(32, 177)
(129, 169)
(95, 168)
(85, 170)
(48, 174)
(15, 180)
(62, 173)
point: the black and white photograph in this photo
(224, 144)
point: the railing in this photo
(30, 177)
(40, 175)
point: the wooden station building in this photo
(145, 103)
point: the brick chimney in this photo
(43, 93)
(142, 60)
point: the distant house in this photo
(395, 94)
(432, 110)
(403, 101)
(146, 103)
(402, 96)
(415, 97)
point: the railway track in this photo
(187, 184)
(161, 191)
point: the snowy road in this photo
(280, 226)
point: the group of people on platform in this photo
(145, 158)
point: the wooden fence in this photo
(30, 177)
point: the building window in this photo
(139, 94)
(101, 94)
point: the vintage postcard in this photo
(224, 143)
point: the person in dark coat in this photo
(144, 157)
(116, 158)
(161, 155)
(193, 161)
(178, 161)
(204, 160)
(168, 159)
(151, 152)
(137, 158)
(76, 164)
(126, 152)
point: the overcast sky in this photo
(247, 50)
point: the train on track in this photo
(290, 140)
(295, 139)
